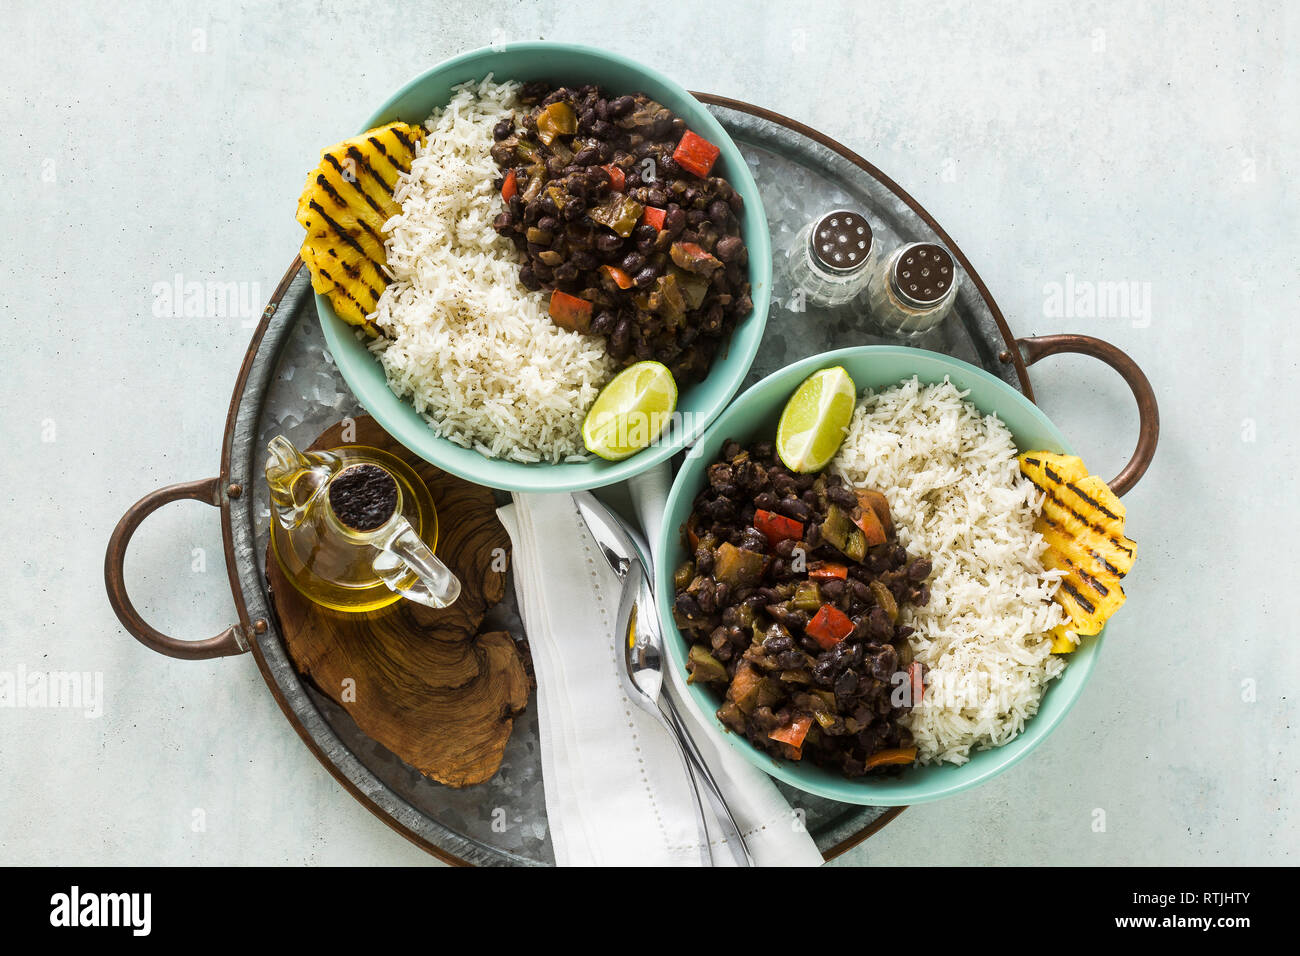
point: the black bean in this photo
(602, 324)
(729, 248)
(621, 340)
(503, 129)
(794, 508)
(620, 106)
(686, 606)
(633, 263)
(587, 156)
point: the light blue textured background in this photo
(1104, 141)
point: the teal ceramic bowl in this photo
(754, 416)
(699, 404)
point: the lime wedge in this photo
(631, 411)
(815, 420)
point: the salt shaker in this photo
(830, 260)
(914, 290)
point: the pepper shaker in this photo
(830, 260)
(914, 290)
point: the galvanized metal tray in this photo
(289, 385)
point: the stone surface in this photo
(1066, 147)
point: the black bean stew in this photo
(791, 603)
(614, 206)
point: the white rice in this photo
(473, 350)
(957, 496)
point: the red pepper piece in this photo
(695, 154)
(829, 626)
(777, 528)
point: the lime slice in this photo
(631, 411)
(815, 420)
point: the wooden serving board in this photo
(425, 683)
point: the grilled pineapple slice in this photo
(344, 206)
(1082, 521)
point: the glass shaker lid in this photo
(840, 241)
(923, 274)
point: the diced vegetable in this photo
(692, 536)
(703, 666)
(777, 528)
(731, 717)
(695, 154)
(870, 498)
(737, 567)
(838, 530)
(618, 213)
(570, 312)
(917, 682)
(807, 596)
(794, 732)
(897, 755)
(826, 570)
(666, 300)
(617, 180)
(885, 598)
(769, 693)
(510, 186)
(692, 257)
(558, 119)
(618, 276)
(694, 288)
(654, 216)
(684, 575)
(743, 691)
(869, 524)
(745, 616)
(829, 626)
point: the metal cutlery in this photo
(641, 642)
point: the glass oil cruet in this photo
(355, 528)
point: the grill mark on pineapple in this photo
(353, 272)
(382, 147)
(1082, 601)
(339, 231)
(1082, 545)
(363, 162)
(355, 245)
(1084, 519)
(1096, 504)
(404, 140)
(351, 180)
(344, 205)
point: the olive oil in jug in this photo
(355, 528)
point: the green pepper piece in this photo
(558, 119)
(807, 597)
(736, 567)
(703, 666)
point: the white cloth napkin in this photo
(616, 790)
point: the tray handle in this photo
(229, 642)
(1037, 347)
